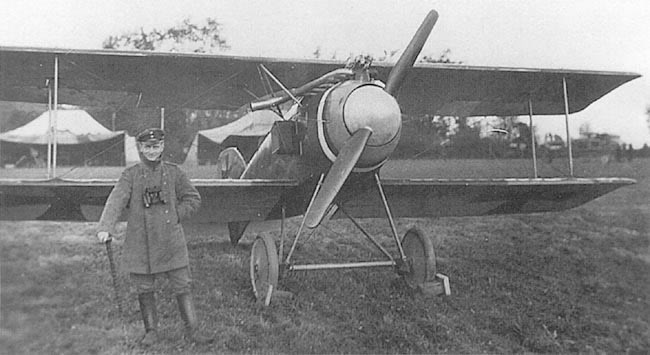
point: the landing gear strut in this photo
(416, 261)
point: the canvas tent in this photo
(130, 150)
(245, 134)
(191, 158)
(80, 140)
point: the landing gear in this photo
(416, 261)
(264, 268)
(420, 263)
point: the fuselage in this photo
(322, 125)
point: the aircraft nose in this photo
(369, 106)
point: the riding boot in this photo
(188, 314)
(149, 318)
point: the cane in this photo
(111, 261)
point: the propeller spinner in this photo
(370, 124)
(345, 109)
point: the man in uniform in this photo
(34, 160)
(159, 196)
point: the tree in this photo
(389, 55)
(203, 37)
(186, 37)
(443, 58)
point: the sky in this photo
(610, 35)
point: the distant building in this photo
(595, 143)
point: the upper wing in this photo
(490, 91)
(472, 197)
(144, 79)
(173, 80)
(83, 200)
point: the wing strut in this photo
(566, 120)
(532, 135)
(53, 112)
(48, 83)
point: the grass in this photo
(577, 281)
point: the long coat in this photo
(155, 241)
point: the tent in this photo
(192, 154)
(245, 134)
(130, 150)
(80, 140)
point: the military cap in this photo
(149, 134)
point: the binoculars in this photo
(152, 196)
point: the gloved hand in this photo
(103, 237)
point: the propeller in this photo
(410, 54)
(353, 148)
(336, 176)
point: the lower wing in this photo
(83, 200)
(476, 197)
(255, 200)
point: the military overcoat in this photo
(155, 241)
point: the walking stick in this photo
(111, 261)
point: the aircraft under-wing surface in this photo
(324, 159)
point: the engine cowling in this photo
(352, 105)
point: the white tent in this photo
(254, 124)
(80, 140)
(73, 127)
(191, 159)
(130, 150)
(245, 134)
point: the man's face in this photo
(151, 150)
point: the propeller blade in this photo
(406, 61)
(336, 176)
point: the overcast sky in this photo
(596, 35)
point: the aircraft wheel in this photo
(264, 267)
(421, 259)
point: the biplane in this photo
(322, 160)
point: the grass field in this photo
(576, 281)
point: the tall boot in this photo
(149, 318)
(188, 314)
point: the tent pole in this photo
(566, 123)
(532, 135)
